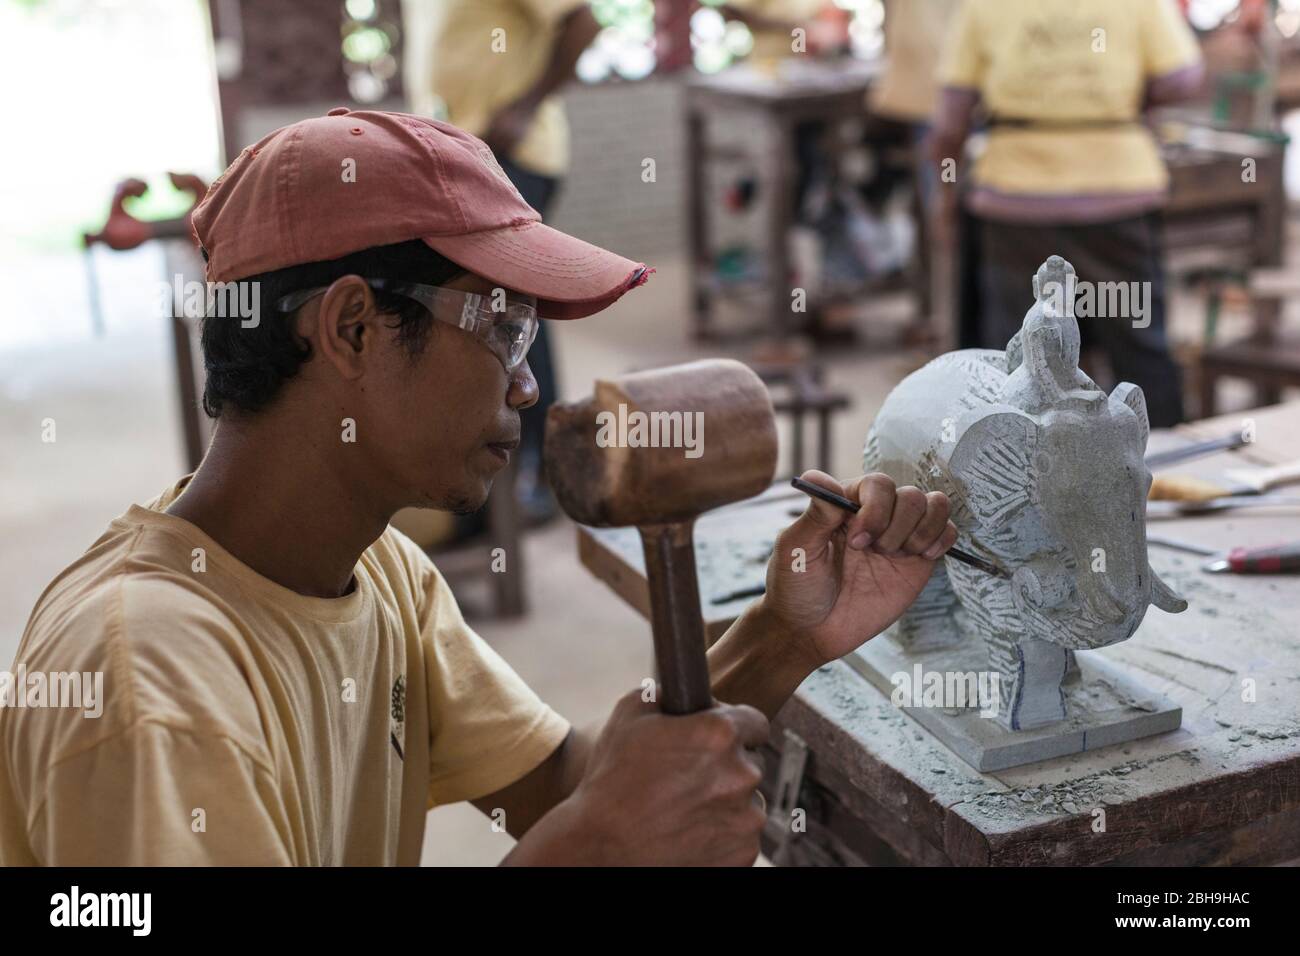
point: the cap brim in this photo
(569, 277)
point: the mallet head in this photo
(662, 445)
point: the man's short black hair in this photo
(246, 366)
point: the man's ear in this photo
(345, 324)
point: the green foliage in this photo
(623, 13)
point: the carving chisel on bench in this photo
(1160, 459)
(1240, 482)
(1273, 559)
(1278, 559)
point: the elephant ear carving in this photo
(994, 464)
(871, 453)
(1129, 394)
(1015, 352)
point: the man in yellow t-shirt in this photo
(254, 668)
(1067, 166)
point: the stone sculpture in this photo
(1046, 477)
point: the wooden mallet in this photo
(655, 450)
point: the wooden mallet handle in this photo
(675, 617)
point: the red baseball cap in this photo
(326, 187)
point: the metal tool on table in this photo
(1162, 541)
(661, 490)
(1162, 459)
(756, 591)
(1272, 559)
(1237, 482)
(1256, 481)
(1278, 559)
(1180, 509)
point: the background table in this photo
(775, 105)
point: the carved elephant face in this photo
(1061, 499)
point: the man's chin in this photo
(466, 504)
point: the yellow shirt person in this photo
(483, 55)
(914, 31)
(1065, 84)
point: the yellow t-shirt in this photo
(474, 80)
(914, 32)
(1059, 61)
(243, 723)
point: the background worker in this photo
(494, 68)
(773, 24)
(1068, 167)
(900, 105)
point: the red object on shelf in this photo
(123, 231)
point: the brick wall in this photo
(614, 127)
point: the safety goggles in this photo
(503, 321)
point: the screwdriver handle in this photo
(1279, 559)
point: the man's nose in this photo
(522, 392)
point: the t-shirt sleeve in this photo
(1168, 43)
(963, 61)
(155, 795)
(487, 727)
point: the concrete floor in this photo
(118, 441)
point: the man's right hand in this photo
(660, 790)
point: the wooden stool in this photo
(801, 390)
(1265, 358)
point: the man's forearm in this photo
(1174, 87)
(757, 662)
(529, 799)
(575, 34)
(952, 122)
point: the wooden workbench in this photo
(877, 788)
